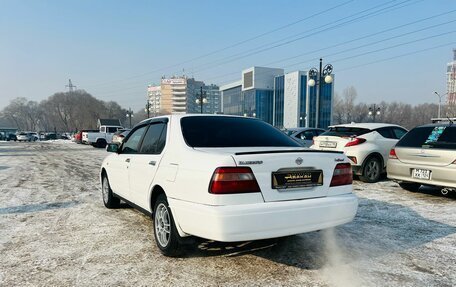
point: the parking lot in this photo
(54, 230)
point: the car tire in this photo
(410, 186)
(109, 200)
(372, 170)
(166, 235)
(100, 143)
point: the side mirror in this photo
(112, 147)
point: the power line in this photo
(398, 56)
(232, 45)
(376, 12)
(280, 43)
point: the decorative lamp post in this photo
(374, 111)
(321, 75)
(202, 99)
(129, 115)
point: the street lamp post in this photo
(129, 115)
(321, 75)
(147, 110)
(374, 111)
(202, 99)
(440, 102)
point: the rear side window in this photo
(218, 131)
(306, 135)
(399, 133)
(345, 132)
(154, 140)
(111, 130)
(386, 133)
(442, 137)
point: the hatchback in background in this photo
(304, 136)
(425, 156)
(119, 136)
(367, 145)
(25, 137)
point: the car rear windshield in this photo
(218, 131)
(442, 137)
(345, 132)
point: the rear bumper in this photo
(443, 176)
(263, 220)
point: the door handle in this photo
(152, 162)
(127, 160)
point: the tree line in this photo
(346, 110)
(63, 111)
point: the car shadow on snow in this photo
(379, 229)
(37, 207)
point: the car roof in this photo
(371, 126)
(303, 129)
(441, 124)
(180, 116)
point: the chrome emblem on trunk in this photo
(299, 161)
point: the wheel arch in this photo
(377, 155)
(155, 192)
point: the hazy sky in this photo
(114, 49)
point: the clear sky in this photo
(114, 49)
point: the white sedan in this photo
(226, 178)
(367, 145)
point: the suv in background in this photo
(425, 156)
(304, 136)
(367, 145)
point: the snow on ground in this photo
(55, 231)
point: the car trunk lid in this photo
(302, 166)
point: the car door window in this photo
(399, 133)
(306, 135)
(132, 143)
(386, 133)
(154, 139)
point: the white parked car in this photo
(226, 178)
(367, 145)
(27, 137)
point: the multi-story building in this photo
(451, 81)
(253, 96)
(284, 100)
(179, 95)
(154, 97)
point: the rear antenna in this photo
(451, 122)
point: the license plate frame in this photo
(328, 144)
(419, 173)
(296, 178)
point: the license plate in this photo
(296, 178)
(421, 173)
(328, 144)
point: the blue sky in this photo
(113, 49)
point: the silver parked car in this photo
(120, 135)
(304, 135)
(426, 155)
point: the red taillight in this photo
(392, 154)
(342, 175)
(228, 180)
(355, 141)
